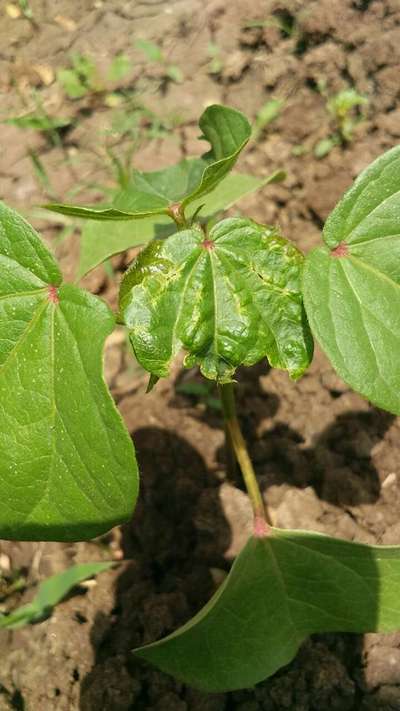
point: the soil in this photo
(325, 458)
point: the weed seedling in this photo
(227, 293)
(266, 115)
(216, 62)
(155, 55)
(83, 77)
(344, 108)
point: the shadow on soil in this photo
(174, 552)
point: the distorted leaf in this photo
(229, 298)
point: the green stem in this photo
(231, 461)
(239, 445)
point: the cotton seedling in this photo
(227, 293)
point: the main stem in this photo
(237, 440)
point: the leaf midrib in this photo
(53, 417)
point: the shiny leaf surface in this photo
(67, 465)
(281, 589)
(229, 298)
(352, 285)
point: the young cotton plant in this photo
(227, 293)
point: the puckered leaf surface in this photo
(227, 131)
(352, 285)
(67, 464)
(229, 298)
(280, 590)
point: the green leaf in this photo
(120, 66)
(151, 50)
(175, 73)
(169, 185)
(234, 187)
(268, 113)
(155, 206)
(342, 103)
(99, 240)
(228, 299)
(71, 83)
(38, 122)
(228, 131)
(85, 67)
(152, 193)
(50, 593)
(67, 465)
(178, 180)
(352, 285)
(146, 195)
(325, 145)
(281, 589)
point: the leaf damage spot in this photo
(52, 294)
(208, 244)
(342, 250)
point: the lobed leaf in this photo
(67, 465)
(351, 286)
(281, 589)
(229, 298)
(50, 593)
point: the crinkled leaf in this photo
(99, 240)
(50, 593)
(280, 590)
(229, 299)
(226, 129)
(352, 286)
(67, 464)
